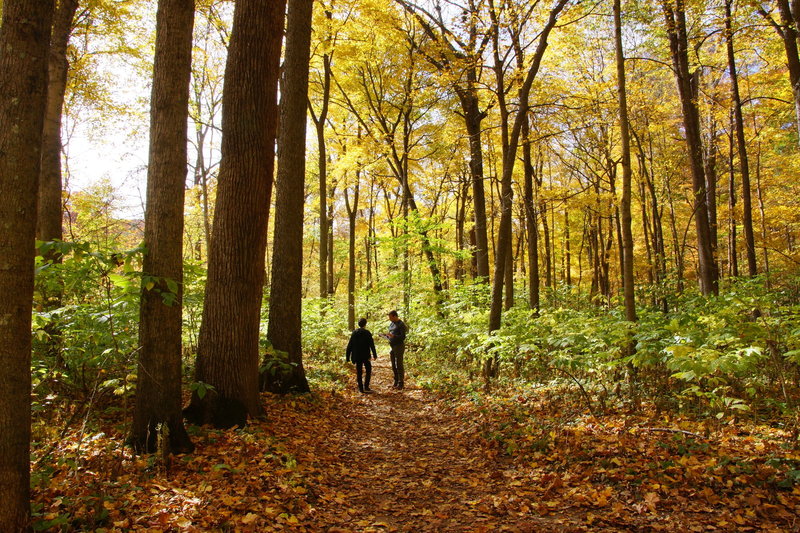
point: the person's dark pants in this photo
(365, 384)
(396, 357)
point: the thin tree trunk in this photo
(530, 220)
(733, 255)
(504, 233)
(627, 232)
(24, 42)
(762, 212)
(322, 163)
(158, 387)
(741, 142)
(285, 325)
(352, 211)
(676, 30)
(329, 254)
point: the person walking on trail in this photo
(397, 342)
(358, 351)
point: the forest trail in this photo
(339, 461)
(406, 462)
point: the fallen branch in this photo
(671, 430)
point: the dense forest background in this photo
(593, 201)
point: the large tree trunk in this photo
(24, 41)
(227, 356)
(741, 142)
(287, 265)
(676, 30)
(625, 207)
(158, 385)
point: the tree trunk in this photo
(676, 29)
(508, 302)
(787, 30)
(322, 163)
(329, 225)
(741, 143)
(625, 208)
(24, 41)
(509, 158)
(352, 211)
(50, 210)
(473, 117)
(531, 225)
(284, 329)
(158, 384)
(227, 356)
(49, 215)
(733, 254)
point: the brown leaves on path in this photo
(414, 461)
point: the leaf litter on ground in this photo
(422, 461)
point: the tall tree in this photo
(352, 213)
(741, 144)
(787, 29)
(286, 290)
(320, 120)
(625, 214)
(509, 159)
(24, 43)
(675, 15)
(158, 386)
(49, 216)
(461, 58)
(50, 210)
(227, 356)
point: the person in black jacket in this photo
(397, 341)
(358, 351)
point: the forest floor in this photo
(414, 460)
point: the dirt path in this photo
(340, 461)
(404, 462)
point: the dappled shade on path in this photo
(413, 460)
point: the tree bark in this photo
(227, 356)
(788, 31)
(158, 385)
(733, 255)
(352, 211)
(322, 164)
(49, 216)
(741, 143)
(676, 30)
(473, 117)
(504, 232)
(285, 331)
(531, 225)
(625, 207)
(24, 43)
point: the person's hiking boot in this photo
(399, 386)
(366, 390)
